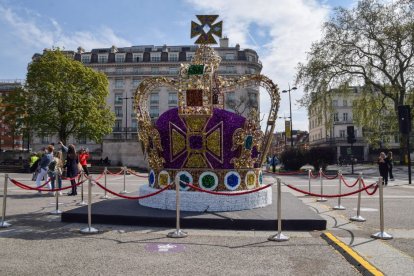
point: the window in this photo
(120, 58)
(102, 58)
(119, 83)
(155, 70)
(173, 70)
(134, 124)
(137, 70)
(335, 102)
(137, 57)
(189, 56)
(342, 133)
(135, 83)
(119, 71)
(154, 112)
(172, 99)
(118, 125)
(345, 116)
(253, 99)
(231, 69)
(345, 103)
(336, 119)
(155, 57)
(229, 56)
(154, 98)
(118, 111)
(250, 70)
(86, 58)
(118, 98)
(251, 58)
(81, 140)
(44, 139)
(173, 56)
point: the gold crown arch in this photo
(200, 78)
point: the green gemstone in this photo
(208, 181)
(248, 142)
(196, 69)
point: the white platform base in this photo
(200, 202)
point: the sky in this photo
(280, 31)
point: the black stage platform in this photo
(296, 216)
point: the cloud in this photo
(38, 32)
(288, 29)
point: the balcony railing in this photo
(122, 129)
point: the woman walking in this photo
(390, 165)
(56, 170)
(383, 168)
(71, 165)
(83, 159)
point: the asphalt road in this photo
(39, 244)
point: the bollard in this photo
(89, 229)
(309, 181)
(339, 206)
(382, 234)
(178, 233)
(124, 191)
(4, 224)
(105, 196)
(82, 202)
(279, 236)
(321, 199)
(358, 217)
(57, 211)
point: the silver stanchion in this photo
(4, 223)
(105, 196)
(382, 234)
(309, 181)
(82, 202)
(57, 211)
(279, 236)
(339, 206)
(178, 233)
(358, 216)
(321, 199)
(89, 229)
(124, 191)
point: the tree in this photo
(66, 98)
(371, 45)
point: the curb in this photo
(351, 255)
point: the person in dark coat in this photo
(390, 161)
(383, 167)
(72, 167)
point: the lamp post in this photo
(126, 115)
(290, 108)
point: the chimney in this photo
(224, 42)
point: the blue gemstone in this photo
(184, 179)
(151, 178)
(248, 142)
(232, 180)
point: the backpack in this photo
(52, 166)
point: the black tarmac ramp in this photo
(296, 216)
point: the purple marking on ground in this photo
(165, 247)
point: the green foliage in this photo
(293, 159)
(66, 98)
(321, 157)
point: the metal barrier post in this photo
(321, 199)
(279, 236)
(82, 202)
(4, 224)
(89, 229)
(57, 211)
(178, 233)
(339, 206)
(382, 234)
(105, 196)
(124, 191)
(309, 181)
(358, 217)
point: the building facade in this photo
(328, 128)
(126, 67)
(10, 139)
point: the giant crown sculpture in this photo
(199, 142)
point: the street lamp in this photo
(290, 108)
(126, 115)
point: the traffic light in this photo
(404, 119)
(350, 134)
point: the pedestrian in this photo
(383, 168)
(390, 165)
(34, 164)
(56, 170)
(43, 165)
(274, 158)
(71, 165)
(83, 159)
